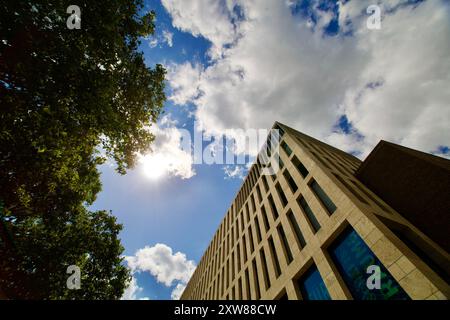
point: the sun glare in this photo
(153, 166)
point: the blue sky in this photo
(313, 65)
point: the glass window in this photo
(315, 225)
(312, 286)
(265, 219)
(296, 227)
(284, 243)
(276, 262)
(280, 130)
(281, 195)
(300, 167)
(323, 197)
(352, 256)
(266, 277)
(290, 181)
(286, 148)
(273, 207)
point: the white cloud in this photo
(167, 267)
(184, 81)
(153, 43)
(178, 291)
(170, 156)
(206, 18)
(279, 68)
(168, 37)
(132, 290)
(234, 172)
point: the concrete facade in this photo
(257, 253)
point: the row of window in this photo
(352, 257)
(229, 241)
(226, 281)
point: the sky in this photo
(325, 68)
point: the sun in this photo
(153, 166)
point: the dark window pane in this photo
(296, 227)
(286, 148)
(326, 201)
(352, 257)
(275, 257)
(265, 270)
(300, 167)
(281, 195)
(309, 214)
(265, 219)
(290, 181)
(256, 280)
(312, 286)
(285, 243)
(273, 208)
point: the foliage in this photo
(64, 95)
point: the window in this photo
(244, 248)
(290, 181)
(247, 284)
(250, 237)
(312, 286)
(286, 148)
(239, 289)
(265, 219)
(276, 262)
(281, 195)
(298, 233)
(264, 266)
(280, 131)
(256, 280)
(258, 230)
(273, 208)
(352, 256)
(300, 167)
(280, 162)
(285, 243)
(252, 197)
(315, 225)
(258, 191)
(232, 265)
(323, 197)
(266, 185)
(238, 256)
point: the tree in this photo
(64, 95)
(34, 265)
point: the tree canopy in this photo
(65, 94)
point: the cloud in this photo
(167, 267)
(132, 290)
(153, 43)
(206, 18)
(184, 81)
(178, 291)
(234, 172)
(170, 156)
(168, 37)
(271, 64)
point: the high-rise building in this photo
(328, 226)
